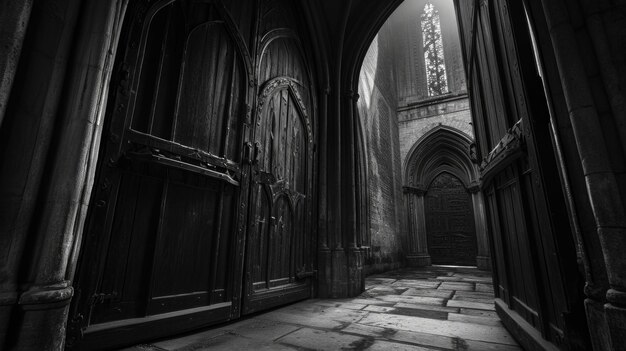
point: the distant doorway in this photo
(451, 234)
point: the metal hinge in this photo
(102, 298)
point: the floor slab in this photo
(431, 308)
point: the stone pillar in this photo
(14, 17)
(44, 303)
(28, 129)
(338, 262)
(417, 255)
(324, 264)
(355, 256)
(587, 111)
(483, 257)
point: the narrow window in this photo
(433, 51)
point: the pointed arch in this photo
(443, 149)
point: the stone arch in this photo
(443, 150)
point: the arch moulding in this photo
(441, 150)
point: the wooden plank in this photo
(122, 333)
(149, 72)
(165, 100)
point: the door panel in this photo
(278, 240)
(531, 237)
(207, 96)
(195, 221)
(450, 227)
(163, 226)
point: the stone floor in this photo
(435, 308)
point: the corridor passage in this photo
(433, 308)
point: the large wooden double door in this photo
(202, 200)
(536, 271)
(451, 234)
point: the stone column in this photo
(334, 153)
(417, 255)
(324, 264)
(28, 130)
(483, 256)
(586, 112)
(355, 256)
(44, 303)
(14, 17)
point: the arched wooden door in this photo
(206, 162)
(451, 234)
(279, 262)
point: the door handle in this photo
(248, 152)
(303, 274)
(257, 152)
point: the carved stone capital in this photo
(474, 187)
(419, 191)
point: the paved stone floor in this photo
(434, 308)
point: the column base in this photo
(616, 321)
(418, 260)
(8, 301)
(356, 283)
(324, 275)
(598, 330)
(339, 274)
(43, 318)
(483, 263)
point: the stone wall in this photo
(405, 22)
(396, 111)
(377, 110)
(417, 112)
(417, 121)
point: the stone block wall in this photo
(395, 111)
(417, 112)
(377, 112)
(408, 50)
(416, 121)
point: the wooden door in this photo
(206, 162)
(279, 262)
(279, 267)
(163, 248)
(451, 235)
(535, 267)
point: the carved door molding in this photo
(278, 249)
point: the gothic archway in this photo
(443, 151)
